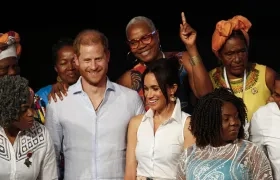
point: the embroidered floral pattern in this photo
(238, 160)
(237, 85)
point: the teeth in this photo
(153, 101)
(145, 53)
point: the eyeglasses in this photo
(147, 39)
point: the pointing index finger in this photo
(184, 21)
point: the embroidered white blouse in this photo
(35, 141)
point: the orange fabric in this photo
(224, 29)
(9, 38)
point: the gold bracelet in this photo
(195, 60)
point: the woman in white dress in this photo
(220, 151)
(26, 150)
(157, 138)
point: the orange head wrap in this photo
(9, 45)
(224, 29)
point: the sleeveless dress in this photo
(158, 153)
(256, 93)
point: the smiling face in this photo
(153, 95)
(143, 41)
(93, 63)
(65, 65)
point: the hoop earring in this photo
(134, 62)
(160, 48)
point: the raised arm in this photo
(198, 76)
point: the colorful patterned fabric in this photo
(256, 93)
(40, 109)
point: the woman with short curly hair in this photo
(26, 150)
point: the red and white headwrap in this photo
(9, 45)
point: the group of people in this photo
(166, 118)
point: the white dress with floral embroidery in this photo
(241, 160)
(35, 142)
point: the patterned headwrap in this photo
(224, 30)
(9, 45)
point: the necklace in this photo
(244, 81)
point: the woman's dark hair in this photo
(57, 46)
(166, 73)
(14, 92)
(236, 34)
(206, 120)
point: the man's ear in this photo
(76, 60)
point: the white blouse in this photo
(37, 143)
(158, 155)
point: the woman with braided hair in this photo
(220, 151)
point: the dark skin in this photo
(196, 73)
(25, 121)
(230, 124)
(198, 77)
(9, 66)
(234, 56)
(66, 69)
(65, 65)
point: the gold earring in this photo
(58, 79)
(172, 98)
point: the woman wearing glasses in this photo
(143, 40)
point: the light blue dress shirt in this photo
(94, 142)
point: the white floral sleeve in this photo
(181, 173)
(260, 165)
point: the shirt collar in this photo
(77, 87)
(176, 114)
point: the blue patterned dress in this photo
(241, 160)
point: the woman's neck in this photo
(165, 113)
(232, 76)
(160, 54)
(11, 131)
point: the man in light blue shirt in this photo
(90, 123)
